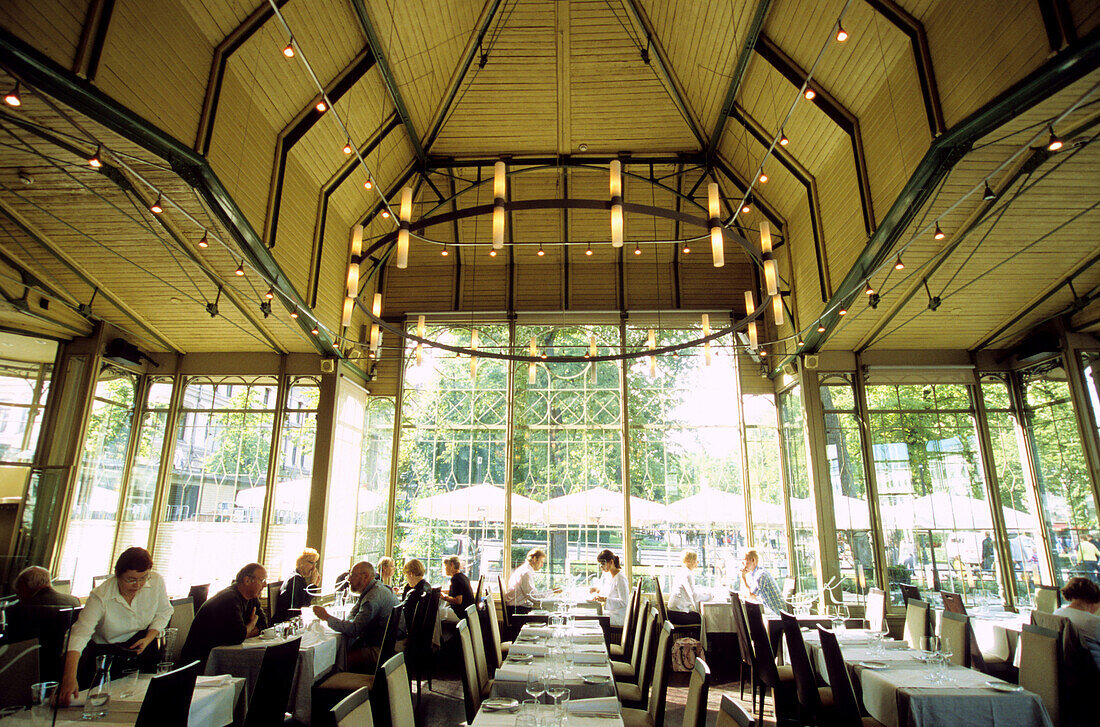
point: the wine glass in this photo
(536, 683)
(843, 614)
(555, 686)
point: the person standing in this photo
(614, 590)
(297, 591)
(683, 604)
(987, 553)
(460, 594)
(1088, 558)
(758, 585)
(366, 624)
(228, 617)
(121, 618)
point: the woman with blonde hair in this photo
(460, 594)
(683, 604)
(387, 566)
(298, 591)
(415, 582)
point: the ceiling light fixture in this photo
(750, 308)
(938, 234)
(1054, 142)
(347, 147)
(541, 252)
(763, 177)
(821, 328)
(156, 208)
(686, 249)
(771, 272)
(867, 289)
(294, 313)
(368, 184)
(405, 214)
(321, 106)
(532, 351)
(777, 309)
(842, 312)
(651, 343)
(637, 249)
(204, 241)
(288, 50)
(899, 265)
(706, 344)
(988, 194)
(492, 253)
(270, 294)
(499, 189)
(747, 206)
(315, 330)
(801, 342)
(444, 252)
(717, 241)
(240, 270)
(12, 98)
(783, 140)
(616, 203)
(588, 250)
(385, 214)
(810, 94)
(420, 346)
(94, 161)
(841, 33)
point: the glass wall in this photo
(795, 467)
(851, 508)
(685, 455)
(218, 480)
(1063, 478)
(90, 529)
(137, 512)
(286, 532)
(24, 387)
(452, 459)
(766, 495)
(931, 489)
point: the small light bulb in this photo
(841, 33)
(801, 343)
(899, 265)
(347, 148)
(589, 250)
(385, 214)
(541, 252)
(810, 94)
(988, 194)
(687, 249)
(492, 253)
(13, 98)
(294, 313)
(315, 330)
(444, 252)
(783, 140)
(763, 178)
(240, 270)
(368, 184)
(938, 234)
(637, 250)
(867, 289)
(321, 106)
(204, 242)
(763, 352)
(95, 162)
(1053, 143)
(155, 208)
(270, 294)
(746, 208)
(288, 51)
(842, 312)
(821, 328)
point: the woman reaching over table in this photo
(683, 604)
(1084, 603)
(614, 590)
(298, 590)
(121, 618)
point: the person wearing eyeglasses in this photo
(298, 591)
(121, 618)
(228, 617)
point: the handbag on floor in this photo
(684, 651)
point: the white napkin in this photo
(588, 638)
(219, 680)
(521, 648)
(511, 673)
(594, 704)
(589, 657)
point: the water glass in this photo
(41, 696)
(536, 683)
(165, 666)
(127, 685)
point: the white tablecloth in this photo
(212, 706)
(591, 660)
(318, 654)
(717, 618)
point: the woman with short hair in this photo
(460, 594)
(683, 603)
(121, 618)
(415, 582)
(614, 590)
(1084, 604)
(297, 591)
(387, 567)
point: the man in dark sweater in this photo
(366, 624)
(229, 617)
(37, 605)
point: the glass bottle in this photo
(98, 699)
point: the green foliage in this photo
(240, 457)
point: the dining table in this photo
(216, 702)
(900, 688)
(321, 650)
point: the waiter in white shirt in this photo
(521, 596)
(122, 618)
(614, 590)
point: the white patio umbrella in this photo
(600, 506)
(709, 507)
(851, 513)
(477, 503)
(943, 511)
(768, 514)
(291, 495)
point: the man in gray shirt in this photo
(366, 624)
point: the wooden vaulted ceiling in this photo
(433, 93)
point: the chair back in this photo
(480, 591)
(695, 709)
(199, 594)
(399, 692)
(790, 587)
(389, 638)
(19, 665)
(504, 606)
(1047, 598)
(51, 626)
(805, 685)
(419, 646)
(656, 704)
(494, 630)
(646, 663)
(908, 592)
(63, 586)
(744, 638)
(167, 701)
(267, 705)
(183, 614)
(272, 599)
(761, 645)
(474, 624)
(846, 708)
(471, 688)
(639, 628)
(98, 581)
(876, 609)
(916, 623)
(628, 621)
(353, 710)
(953, 602)
(955, 635)
(732, 714)
(661, 607)
(1040, 667)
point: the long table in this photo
(215, 703)
(905, 692)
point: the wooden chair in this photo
(695, 709)
(1048, 599)
(632, 691)
(98, 581)
(500, 649)
(183, 615)
(876, 609)
(630, 654)
(916, 623)
(479, 593)
(418, 648)
(398, 692)
(955, 636)
(267, 705)
(19, 667)
(780, 679)
(618, 651)
(353, 710)
(471, 688)
(732, 714)
(199, 595)
(509, 634)
(1041, 667)
(845, 705)
(908, 592)
(63, 586)
(625, 672)
(167, 701)
(272, 599)
(811, 698)
(744, 644)
(662, 607)
(474, 624)
(654, 714)
(953, 602)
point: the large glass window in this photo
(286, 533)
(24, 385)
(137, 511)
(685, 454)
(1063, 477)
(568, 454)
(218, 480)
(374, 479)
(855, 546)
(452, 459)
(766, 496)
(90, 531)
(793, 433)
(931, 489)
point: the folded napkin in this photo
(219, 680)
(594, 704)
(589, 657)
(511, 673)
(588, 638)
(519, 647)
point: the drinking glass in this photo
(127, 685)
(168, 643)
(536, 683)
(555, 687)
(41, 696)
(843, 614)
(165, 666)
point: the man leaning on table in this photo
(228, 617)
(758, 585)
(366, 624)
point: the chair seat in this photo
(825, 696)
(347, 681)
(504, 647)
(636, 718)
(629, 694)
(622, 671)
(615, 651)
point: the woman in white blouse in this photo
(122, 618)
(521, 596)
(683, 604)
(614, 590)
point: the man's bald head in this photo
(362, 573)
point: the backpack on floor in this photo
(684, 651)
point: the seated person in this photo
(228, 617)
(683, 604)
(366, 624)
(414, 579)
(387, 567)
(520, 596)
(757, 585)
(460, 594)
(614, 590)
(1084, 604)
(298, 590)
(121, 618)
(36, 593)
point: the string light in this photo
(155, 208)
(637, 249)
(842, 312)
(444, 252)
(385, 214)
(1054, 143)
(588, 250)
(841, 33)
(763, 178)
(492, 253)
(988, 194)
(315, 330)
(867, 289)
(541, 252)
(747, 206)
(821, 328)
(899, 265)
(368, 184)
(687, 249)
(347, 147)
(810, 94)
(95, 162)
(12, 98)
(288, 51)
(321, 106)
(783, 140)
(204, 241)
(294, 313)
(801, 342)
(270, 294)
(240, 270)
(938, 234)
